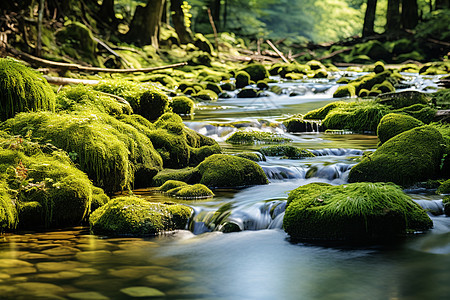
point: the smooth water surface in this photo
(259, 261)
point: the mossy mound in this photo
(252, 137)
(379, 67)
(153, 104)
(80, 97)
(78, 42)
(134, 216)
(372, 49)
(182, 105)
(256, 71)
(345, 91)
(403, 99)
(444, 188)
(422, 112)
(220, 170)
(171, 184)
(183, 190)
(298, 124)
(242, 79)
(99, 198)
(393, 124)
(286, 151)
(213, 87)
(357, 116)
(412, 156)
(321, 113)
(22, 89)
(366, 212)
(108, 150)
(206, 95)
(442, 98)
(164, 79)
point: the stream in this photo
(234, 246)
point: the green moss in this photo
(8, 211)
(321, 113)
(153, 104)
(221, 170)
(251, 137)
(197, 155)
(357, 116)
(188, 175)
(285, 151)
(412, 156)
(444, 188)
(422, 112)
(367, 212)
(298, 124)
(182, 105)
(22, 89)
(384, 87)
(320, 74)
(196, 191)
(393, 124)
(343, 80)
(315, 65)
(99, 198)
(164, 79)
(242, 79)
(363, 93)
(373, 49)
(256, 71)
(403, 99)
(171, 184)
(134, 216)
(345, 91)
(202, 43)
(446, 202)
(247, 93)
(80, 97)
(206, 95)
(189, 91)
(214, 87)
(442, 99)
(108, 150)
(78, 42)
(379, 67)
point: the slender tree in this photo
(393, 16)
(369, 18)
(410, 14)
(146, 23)
(178, 20)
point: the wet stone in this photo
(61, 251)
(14, 263)
(137, 272)
(64, 275)
(40, 287)
(142, 291)
(156, 280)
(19, 271)
(33, 256)
(88, 271)
(94, 256)
(55, 236)
(87, 296)
(190, 291)
(53, 267)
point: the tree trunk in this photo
(184, 33)
(369, 18)
(393, 16)
(442, 4)
(410, 14)
(144, 28)
(214, 5)
(107, 11)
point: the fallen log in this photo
(277, 51)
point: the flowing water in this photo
(234, 246)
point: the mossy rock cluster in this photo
(252, 137)
(137, 217)
(22, 90)
(183, 190)
(393, 124)
(409, 157)
(286, 151)
(218, 171)
(41, 187)
(358, 212)
(298, 124)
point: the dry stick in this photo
(211, 20)
(104, 45)
(67, 66)
(277, 51)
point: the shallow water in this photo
(259, 262)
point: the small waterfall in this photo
(328, 172)
(280, 172)
(435, 207)
(267, 215)
(337, 152)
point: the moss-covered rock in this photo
(379, 67)
(242, 79)
(384, 87)
(153, 104)
(251, 137)
(367, 212)
(196, 191)
(99, 198)
(403, 99)
(171, 184)
(164, 79)
(182, 105)
(220, 170)
(444, 188)
(393, 124)
(298, 124)
(203, 43)
(345, 91)
(286, 151)
(256, 71)
(8, 211)
(422, 112)
(412, 156)
(262, 85)
(22, 90)
(247, 93)
(227, 86)
(206, 95)
(446, 202)
(134, 216)
(214, 87)
(321, 113)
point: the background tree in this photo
(410, 14)
(369, 18)
(393, 16)
(179, 21)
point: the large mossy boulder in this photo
(393, 124)
(220, 170)
(256, 71)
(362, 212)
(183, 190)
(22, 90)
(135, 216)
(408, 157)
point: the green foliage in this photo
(80, 97)
(285, 151)
(352, 212)
(251, 137)
(422, 112)
(393, 124)
(409, 157)
(22, 89)
(435, 26)
(182, 105)
(134, 216)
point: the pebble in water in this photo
(87, 296)
(142, 291)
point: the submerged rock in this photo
(135, 216)
(286, 151)
(251, 137)
(352, 212)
